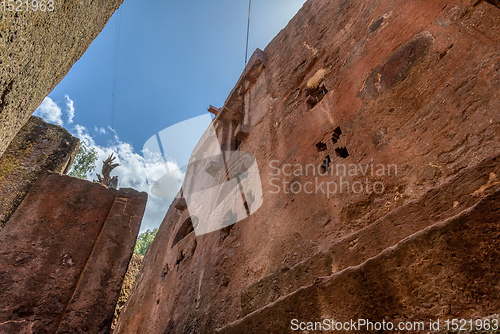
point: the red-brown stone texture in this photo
(64, 255)
(37, 49)
(446, 271)
(37, 148)
(412, 87)
(128, 282)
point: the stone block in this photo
(38, 147)
(64, 256)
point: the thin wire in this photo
(242, 193)
(115, 70)
(245, 74)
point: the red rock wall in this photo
(425, 277)
(37, 148)
(64, 254)
(410, 83)
(432, 208)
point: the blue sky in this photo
(175, 58)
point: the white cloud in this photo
(115, 135)
(81, 132)
(101, 130)
(49, 111)
(70, 108)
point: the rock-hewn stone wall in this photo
(64, 255)
(411, 84)
(425, 277)
(469, 186)
(37, 49)
(133, 270)
(38, 147)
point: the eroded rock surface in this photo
(64, 254)
(438, 273)
(37, 148)
(37, 49)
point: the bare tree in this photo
(107, 167)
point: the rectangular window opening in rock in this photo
(321, 146)
(336, 134)
(186, 228)
(495, 3)
(315, 96)
(320, 93)
(342, 152)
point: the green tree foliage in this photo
(84, 161)
(144, 240)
